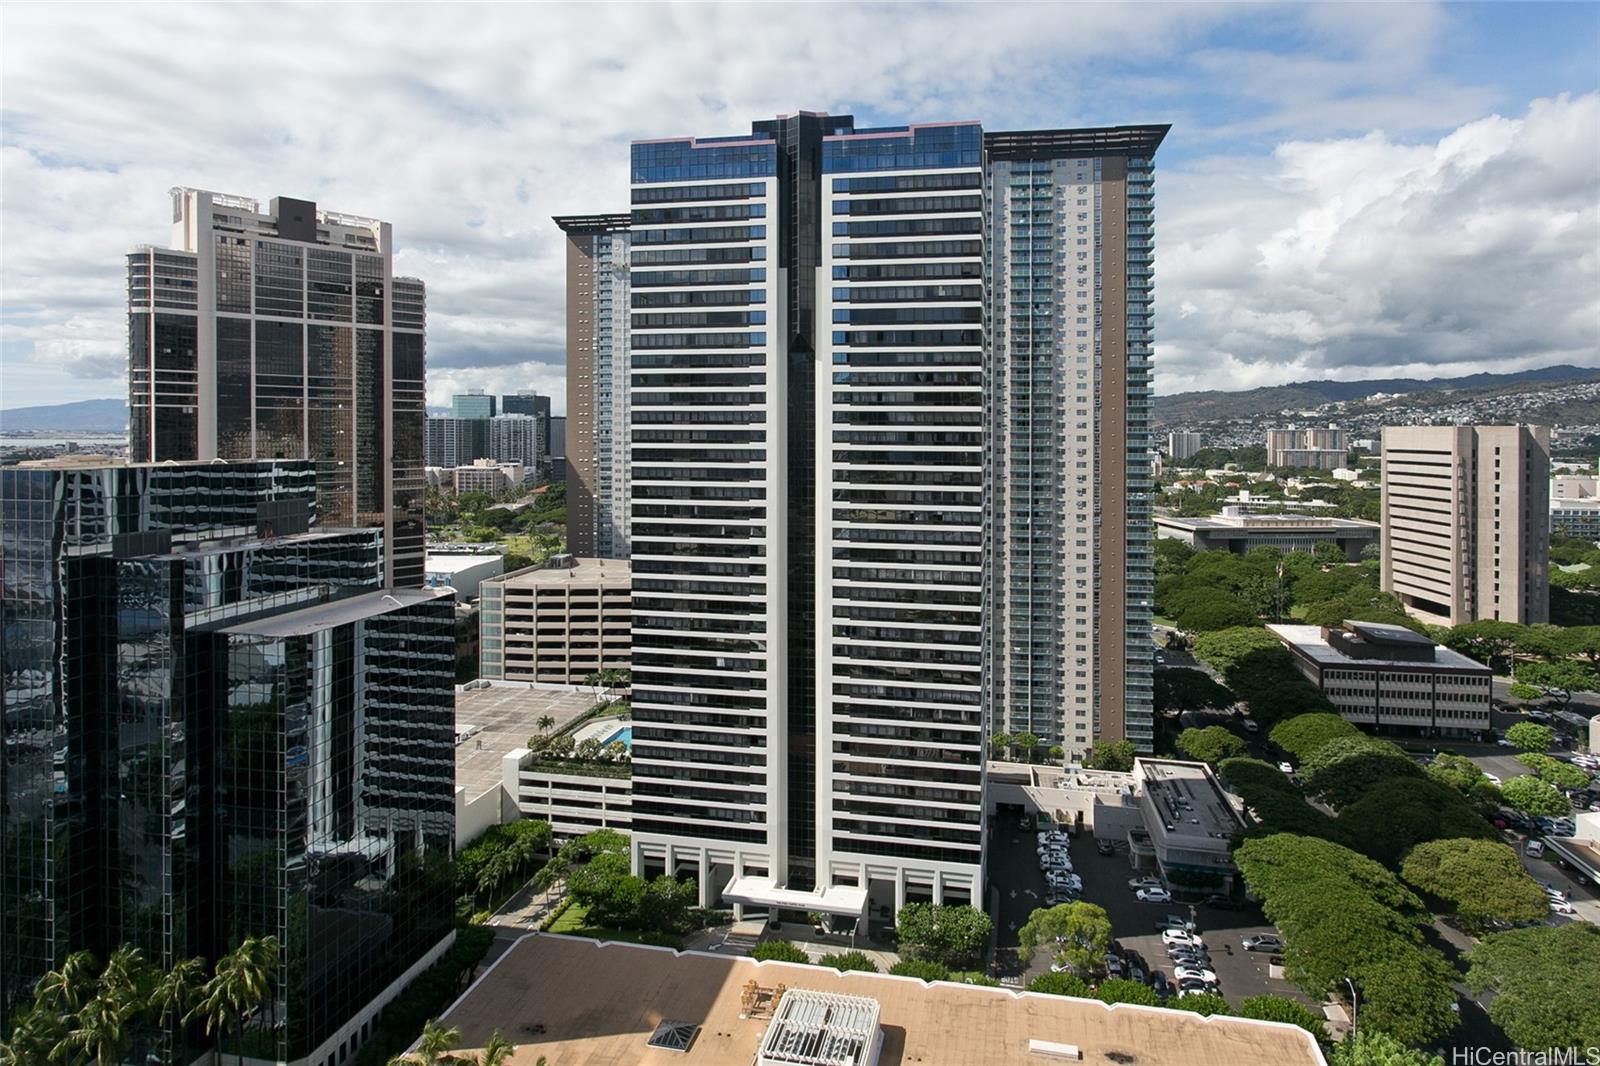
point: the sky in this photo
(1351, 190)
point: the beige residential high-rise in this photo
(597, 451)
(1465, 522)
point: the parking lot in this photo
(1134, 925)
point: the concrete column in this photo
(705, 881)
(938, 888)
(899, 892)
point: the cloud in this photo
(468, 126)
(1367, 257)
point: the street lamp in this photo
(1353, 1004)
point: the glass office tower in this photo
(117, 813)
(285, 334)
(1071, 232)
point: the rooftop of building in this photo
(1309, 641)
(1188, 797)
(607, 223)
(1237, 518)
(582, 1003)
(580, 572)
(501, 716)
(309, 620)
(456, 562)
(1082, 141)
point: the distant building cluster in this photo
(1575, 506)
(1316, 449)
(516, 429)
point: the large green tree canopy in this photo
(1546, 981)
(1482, 881)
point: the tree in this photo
(779, 951)
(1060, 984)
(100, 1030)
(1482, 881)
(1214, 613)
(1304, 734)
(1531, 736)
(1122, 990)
(1372, 1048)
(1210, 745)
(1057, 753)
(845, 961)
(955, 935)
(497, 1051)
(1340, 771)
(1398, 813)
(1275, 802)
(546, 723)
(1533, 796)
(1118, 756)
(432, 1046)
(1345, 916)
(923, 969)
(1465, 776)
(999, 742)
(1558, 773)
(1546, 981)
(67, 989)
(241, 982)
(1490, 642)
(1268, 1008)
(1183, 688)
(1027, 742)
(1206, 1003)
(1077, 932)
(178, 990)
(1559, 679)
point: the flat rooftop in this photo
(1188, 796)
(586, 572)
(336, 613)
(583, 1003)
(455, 562)
(1265, 523)
(506, 716)
(1307, 640)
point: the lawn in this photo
(575, 922)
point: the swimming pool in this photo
(625, 734)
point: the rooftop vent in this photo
(673, 1036)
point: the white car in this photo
(1181, 936)
(1286, 767)
(1492, 779)
(1154, 895)
(1193, 973)
(1146, 882)
(1561, 906)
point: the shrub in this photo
(1207, 1003)
(846, 961)
(1122, 990)
(955, 935)
(1533, 796)
(924, 969)
(1284, 1009)
(1531, 736)
(779, 951)
(1060, 984)
(1210, 745)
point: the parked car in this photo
(1192, 973)
(1493, 779)
(1173, 921)
(1263, 942)
(1113, 966)
(1561, 906)
(1105, 847)
(1188, 957)
(1181, 936)
(1534, 849)
(1287, 768)
(1223, 903)
(1195, 988)
(1154, 895)
(1250, 725)
(1145, 882)
(1160, 985)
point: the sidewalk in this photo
(527, 908)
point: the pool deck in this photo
(602, 728)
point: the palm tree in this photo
(497, 1052)
(546, 723)
(100, 1030)
(1000, 741)
(66, 989)
(435, 1041)
(177, 991)
(241, 983)
(1027, 742)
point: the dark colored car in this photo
(1158, 982)
(1223, 903)
(1104, 847)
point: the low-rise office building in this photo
(1237, 530)
(488, 476)
(558, 623)
(461, 571)
(1393, 678)
(1575, 517)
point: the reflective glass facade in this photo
(116, 583)
(300, 345)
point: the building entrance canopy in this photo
(764, 892)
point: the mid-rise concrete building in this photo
(1575, 518)
(284, 334)
(1392, 678)
(1181, 444)
(537, 406)
(557, 624)
(597, 457)
(1238, 531)
(453, 442)
(1318, 449)
(488, 476)
(1466, 522)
